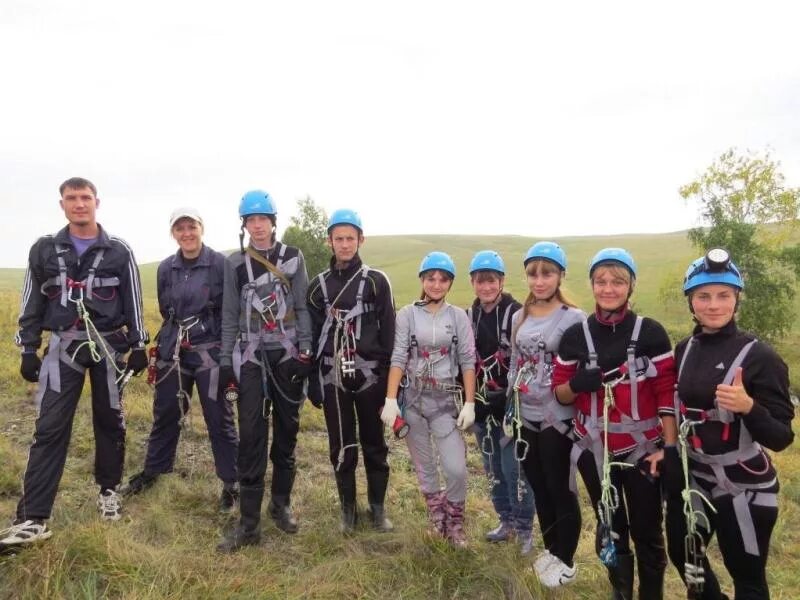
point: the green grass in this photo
(164, 546)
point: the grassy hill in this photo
(163, 547)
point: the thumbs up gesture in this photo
(734, 397)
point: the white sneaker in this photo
(557, 574)
(109, 503)
(542, 562)
(26, 532)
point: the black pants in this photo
(748, 571)
(639, 516)
(218, 414)
(547, 467)
(53, 431)
(365, 406)
(262, 394)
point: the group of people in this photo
(547, 391)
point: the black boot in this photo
(279, 505)
(346, 485)
(138, 483)
(621, 577)
(376, 492)
(248, 531)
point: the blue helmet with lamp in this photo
(715, 267)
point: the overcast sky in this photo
(540, 119)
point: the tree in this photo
(748, 210)
(309, 232)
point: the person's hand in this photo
(29, 367)
(226, 376)
(302, 366)
(390, 411)
(586, 380)
(466, 417)
(137, 361)
(734, 397)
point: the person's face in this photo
(714, 305)
(189, 235)
(487, 286)
(543, 282)
(344, 240)
(610, 287)
(435, 285)
(260, 229)
(79, 205)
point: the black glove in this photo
(301, 367)
(226, 376)
(497, 403)
(29, 369)
(672, 471)
(137, 361)
(587, 380)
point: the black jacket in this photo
(190, 289)
(109, 308)
(492, 331)
(377, 325)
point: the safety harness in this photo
(596, 431)
(78, 292)
(345, 361)
(268, 320)
(485, 367)
(743, 494)
(424, 360)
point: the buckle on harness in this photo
(75, 285)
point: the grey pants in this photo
(431, 417)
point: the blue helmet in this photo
(257, 202)
(345, 216)
(547, 251)
(438, 261)
(617, 255)
(715, 267)
(487, 260)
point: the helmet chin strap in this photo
(495, 301)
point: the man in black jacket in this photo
(81, 285)
(353, 320)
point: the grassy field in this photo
(164, 546)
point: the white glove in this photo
(390, 411)
(466, 418)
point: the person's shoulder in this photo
(120, 245)
(574, 314)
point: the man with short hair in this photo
(81, 285)
(266, 348)
(353, 318)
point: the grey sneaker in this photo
(109, 503)
(23, 533)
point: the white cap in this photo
(185, 212)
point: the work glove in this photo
(29, 369)
(226, 376)
(314, 392)
(672, 471)
(466, 417)
(390, 411)
(137, 361)
(586, 380)
(301, 367)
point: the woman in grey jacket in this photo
(433, 342)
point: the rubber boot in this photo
(346, 485)
(455, 524)
(437, 515)
(279, 505)
(376, 492)
(248, 531)
(621, 578)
